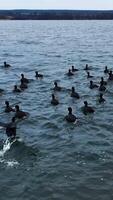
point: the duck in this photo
(25, 80)
(88, 75)
(74, 94)
(57, 88)
(74, 69)
(106, 70)
(69, 73)
(6, 65)
(87, 67)
(11, 129)
(8, 108)
(101, 99)
(92, 85)
(54, 101)
(16, 89)
(70, 117)
(23, 85)
(19, 114)
(102, 87)
(37, 75)
(110, 75)
(87, 109)
(103, 82)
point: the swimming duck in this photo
(70, 117)
(16, 89)
(110, 75)
(87, 67)
(11, 129)
(25, 80)
(23, 85)
(8, 108)
(54, 101)
(6, 65)
(103, 82)
(102, 87)
(74, 94)
(88, 75)
(19, 114)
(92, 85)
(69, 73)
(101, 99)
(87, 109)
(106, 70)
(37, 75)
(57, 88)
(74, 69)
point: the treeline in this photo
(55, 15)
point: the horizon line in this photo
(57, 9)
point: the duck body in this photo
(75, 95)
(70, 73)
(101, 99)
(92, 85)
(54, 101)
(6, 65)
(70, 118)
(37, 75)
(74, 69)
(88, 75)
(102, 88)
(87, 109)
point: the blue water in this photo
(55, 160)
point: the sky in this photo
(57, 4)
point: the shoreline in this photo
(56, 15)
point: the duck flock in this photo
(70, 117)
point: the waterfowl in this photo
(57, 88)
(74, 94)
(103, 82)
(8, 108)
(25, 80)
(74, 69)
(23, 85)
(102, 87)
(69, 73)
(11, 129)
(16, 89)
(88, 75)
(6, 65)
(19, 114)
(70, 117)
(54, 101)
(92, 85)
(110, 75)
(87, 109)
(101, 99)
(106, 71)
(37, 75)
(87, 67)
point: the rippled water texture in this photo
(55, 160)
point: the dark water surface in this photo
(56, 160)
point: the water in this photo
(56, 160)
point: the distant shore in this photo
(56, 14)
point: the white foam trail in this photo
(6, 147)
(11, 163)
